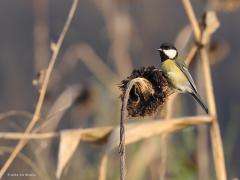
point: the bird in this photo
(177, 74)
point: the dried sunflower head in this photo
(148, 94)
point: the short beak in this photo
(159, 49)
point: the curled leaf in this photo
(69, 141)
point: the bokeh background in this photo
(123, 35)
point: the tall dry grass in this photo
(131, 132)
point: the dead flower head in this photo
(149, 92)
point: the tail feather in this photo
(199, 100)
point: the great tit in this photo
(177, 74)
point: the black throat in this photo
(163, 56)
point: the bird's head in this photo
(167, 51)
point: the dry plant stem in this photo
(202, 153)
(43, 90)
(192, 18)
(103, 168)
(216, 140)
(173, 125)
(32, 136)
(191, 54)
(163, 156)
(207, 77)
(217, 149)
(27, 161)
(15, 113)
(122, 150)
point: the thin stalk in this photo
(216, 140)
(43, 90)
(122, 150)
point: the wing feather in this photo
(185, 71)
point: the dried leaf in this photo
(69, 141)
(211, 24)
(111, 135)
(95, 134)
(61, 105)
(55, 114)
(134, 131)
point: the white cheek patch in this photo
(171, 53)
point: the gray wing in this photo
(185, 71)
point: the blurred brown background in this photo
(132, 28)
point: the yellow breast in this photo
(175, 76)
